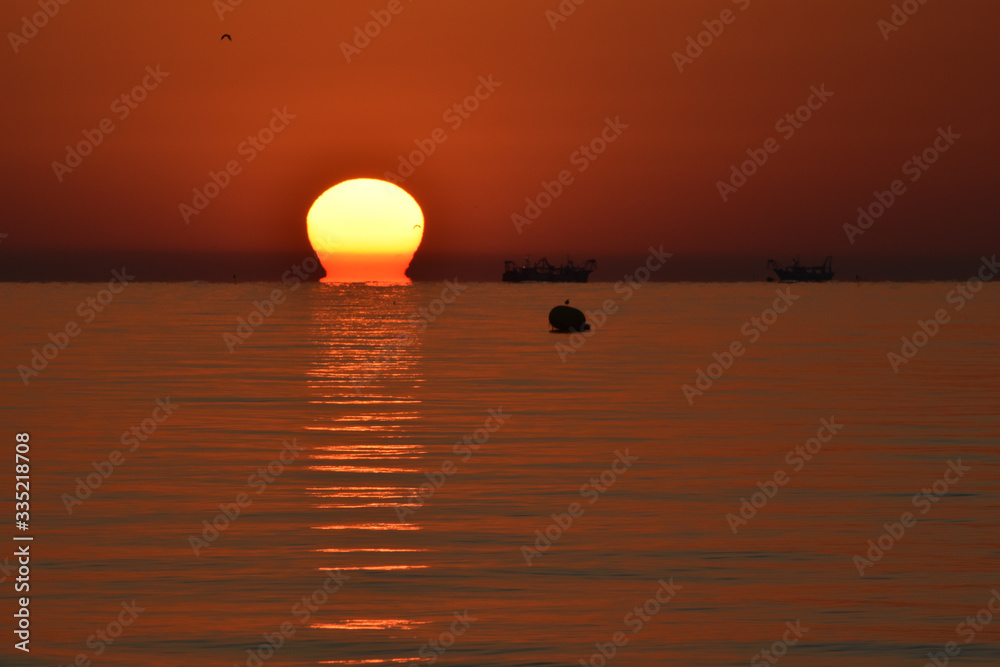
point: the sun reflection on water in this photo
(365, 380)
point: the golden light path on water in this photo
(347, 551)
(369, 414)
(371, 661)
(369, 526)
(370, 624)
(375, 567)
(362, 469)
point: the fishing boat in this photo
(797, 273)
(543, 272)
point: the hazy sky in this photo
(551, 90)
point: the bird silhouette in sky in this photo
(226, 36)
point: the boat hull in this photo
(543, 272)
(526, 277)
(788, 276)
(797, 273)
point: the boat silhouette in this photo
(796, 273)
(543, 272)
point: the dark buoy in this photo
(566, 319)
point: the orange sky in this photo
(657, 182)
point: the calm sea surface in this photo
(366, 399)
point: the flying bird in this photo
(416, 226)
(226, 36)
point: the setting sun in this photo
(365, 230)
